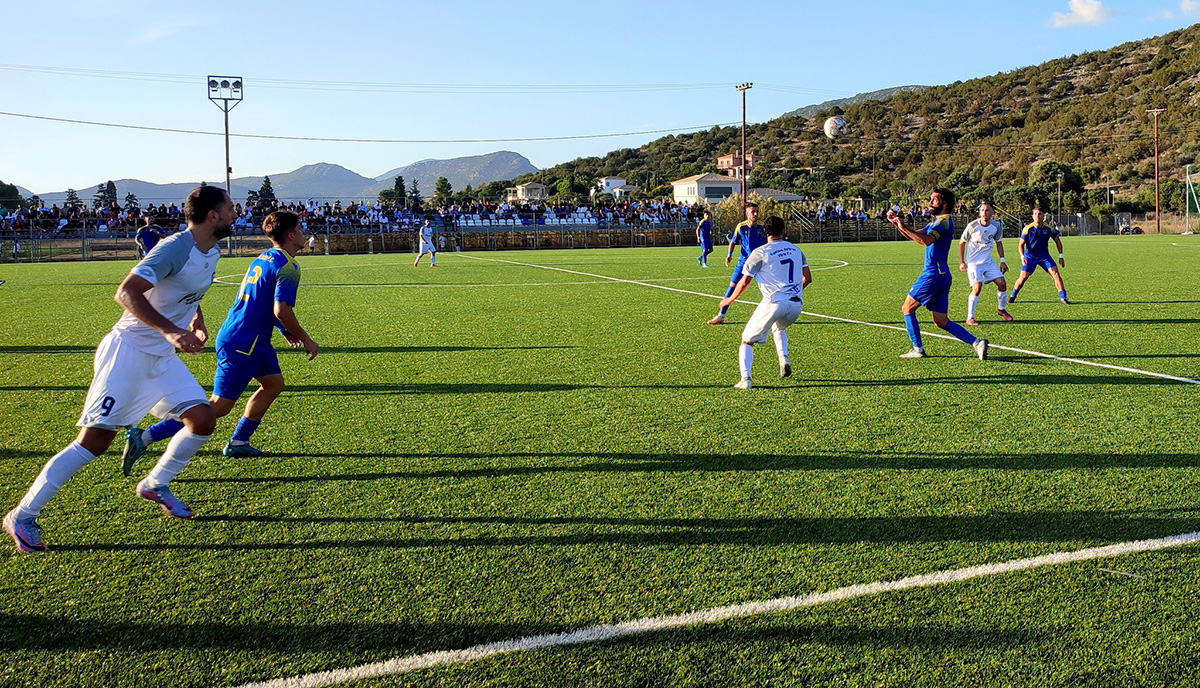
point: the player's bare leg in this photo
(270, 387)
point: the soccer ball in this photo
(835, 127)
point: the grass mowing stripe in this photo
(603, 632)
(1028, 352)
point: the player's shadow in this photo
(1063, 528)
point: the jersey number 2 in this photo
(251, 278)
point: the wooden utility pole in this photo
(742, 165)
(1157, 213)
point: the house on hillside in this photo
(529, 191)
(729, 164)
(608, 185)
(706, 188)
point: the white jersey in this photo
(181, 275)
(778, 268)
(980, 239)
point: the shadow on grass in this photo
(420, 349)
(48, 349)
(28, 632)
(545, 463)
(518, 532)
(54, 633)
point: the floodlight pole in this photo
(226, 92)
(742, 88)
(1157, 214)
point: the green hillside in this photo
(1007, 136)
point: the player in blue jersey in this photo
(264, 301)
(1035, 252)
(747, 236)
(932, 288)
(704, 238)
(148, 236)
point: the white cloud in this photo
(163, 28)
(1087, 12)
(1189, 6)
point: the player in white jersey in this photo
(975, 259)
(427, 245)
(782, 273)
(137, 369)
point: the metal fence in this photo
(89, 244)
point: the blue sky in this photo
(480, 70)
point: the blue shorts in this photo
(235, 369)
(1031, 263)
(706, 245)
(932, 291)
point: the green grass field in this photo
(488, 451)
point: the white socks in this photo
(745, 359)
(182, 447)
(781, 344)
(1002, 299)
(972, 303)
(57, 471)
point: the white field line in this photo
(1027, 352)
(236, 278)
(603, 632)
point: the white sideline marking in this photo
(603, 632)
(1028, 352)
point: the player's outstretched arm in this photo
(293, 332)
(132, 297)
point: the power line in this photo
(350, 140)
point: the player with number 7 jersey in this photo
(781, 271)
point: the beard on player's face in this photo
(223, 231)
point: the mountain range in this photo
(326, 181)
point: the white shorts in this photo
(128, 383)
(983, 273)
(768, 316)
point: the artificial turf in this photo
(487, 450)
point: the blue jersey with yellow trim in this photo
(936, 254)
(750, 237)
(273, 276)
(1037, 240)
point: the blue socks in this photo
(960, 332)
(914, 329)
(728, 293)
(245, 428)
(1062, 293)
(164, 429)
